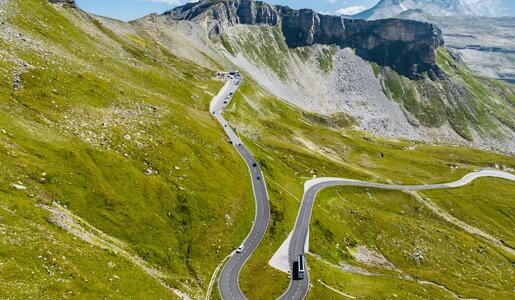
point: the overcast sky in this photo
(132, 9)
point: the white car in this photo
(240, 249)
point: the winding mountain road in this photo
(228, 281)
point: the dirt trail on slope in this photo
(77, 226)
(464, 226)
(404, 276)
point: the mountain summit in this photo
(391, 8)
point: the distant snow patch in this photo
(352, 10)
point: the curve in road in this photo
(228, 285)
(298, 289)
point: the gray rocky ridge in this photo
(70, 3)
(405, 45)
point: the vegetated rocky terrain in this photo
(115, 181)
(484, 44)
(406, 46)
(284, 141)
(446, 103)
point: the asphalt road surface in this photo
(228, 281)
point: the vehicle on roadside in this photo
(240, 249)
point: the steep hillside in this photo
(114, 128)
(394, 235)
(456, 109)
(475, 108)
(440, 111)
(406, 46)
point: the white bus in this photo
(301, 265)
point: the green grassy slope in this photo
(40, 260)
(486, 203)
(399, 227)
(265, 46)
(94, 112)
(246, 40)
(377, 287)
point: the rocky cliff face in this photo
(70, 3)
(221, 14)
(407, 46)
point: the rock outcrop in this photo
(70, 3)
(221, 14)
(406, 46)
